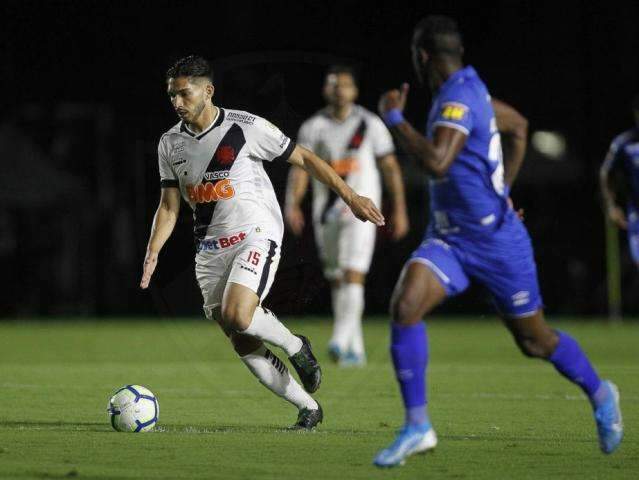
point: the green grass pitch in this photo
(498, 414)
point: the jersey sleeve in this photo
(268, 143)
(168, 178)
(381, 138)
(455, 110)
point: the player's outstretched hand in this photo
(617, 216)
(295, 220)
(150, 262)
(393, 99)
(364, 209)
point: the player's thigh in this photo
(250, 279)
(212, 272)
(432, 274)
(356, 246)
(327, 241)
(505, 265)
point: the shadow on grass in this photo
(54, 425)
(73, 473)
(225, 429)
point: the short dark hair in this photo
(191, 66)
(347, 69)
(438, 35)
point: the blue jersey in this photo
(471, 198)
(624, 153)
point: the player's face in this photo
(340, 89)
(189, 96)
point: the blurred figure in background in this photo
(474, 234)
(619, 177)
(358, 146)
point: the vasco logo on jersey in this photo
(211, 192)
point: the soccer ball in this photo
(133, 408)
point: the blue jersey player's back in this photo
(624, 153)
(471, 198)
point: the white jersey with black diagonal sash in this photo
(220, 174)
(352, 147)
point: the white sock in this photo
(357, 339)
(268, 328)
(353, 298)
(340, 326)
(273, 374)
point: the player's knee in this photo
(404, 309)
(540, 346)
(353, 276)
(236, 317)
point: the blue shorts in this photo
(503, 262)
(633, 234)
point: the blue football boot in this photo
(410, 439)
(608, 418)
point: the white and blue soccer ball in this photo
(133, 408)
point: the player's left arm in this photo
(513, 128)
(362, 207)
(392, 175)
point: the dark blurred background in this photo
(84, 106)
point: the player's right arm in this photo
(295, 191)
(436, 156)
(297, 184)
(614, 212)
(163, 223)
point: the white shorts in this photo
(251, 262)
(345, 245)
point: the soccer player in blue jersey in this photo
(474, 234)
(623, 156)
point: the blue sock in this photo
(570, 360)
(409, 349)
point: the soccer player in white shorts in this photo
(358, 146)
(213, 159)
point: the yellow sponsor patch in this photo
(454, 111)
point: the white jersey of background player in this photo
(358, 146)
(213, 159)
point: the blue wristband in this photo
(393, 117)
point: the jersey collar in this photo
(466, 72)
(216, 123)
(351, 114)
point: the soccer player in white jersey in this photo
(358, 146)
(213, 159)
